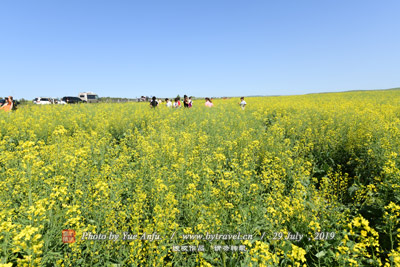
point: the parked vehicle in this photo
(89, 97)
(42, 101)
(58, 101)
(71, 99)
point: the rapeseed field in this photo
(308, 180)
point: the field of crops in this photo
(308, 180)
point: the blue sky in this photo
(201, 48)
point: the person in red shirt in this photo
(8, 105)
(177, 103)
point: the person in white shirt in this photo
(168, 103)
(242, 103)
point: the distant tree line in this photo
(116, 99)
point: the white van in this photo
(42, 101)
(89, 97)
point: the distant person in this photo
(242, 103)
(208, 103)
(153, 102)
(185, 101)
(168, 103)
(177, 103)
(5, 101)
(14, 104)
(190, 102)
(8, 105)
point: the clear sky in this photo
(197, 47)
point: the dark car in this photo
(71, 99)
